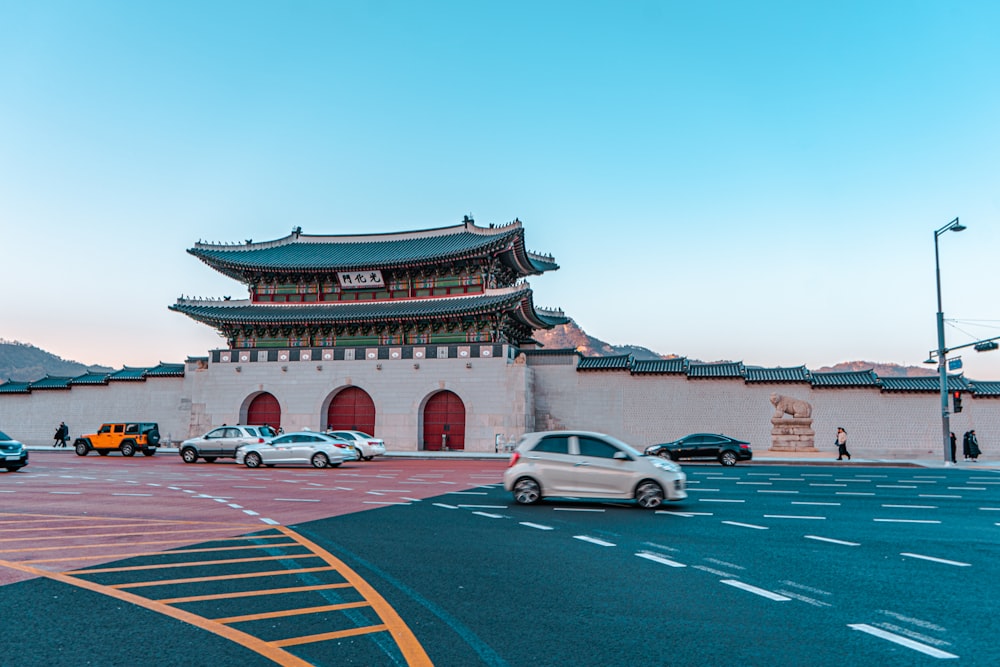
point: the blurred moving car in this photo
(222, 442)
(13, 453)
(704, 446)
(317, 449)
(368, 446)
(580, 464)
(125, 437)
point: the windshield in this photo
(4, 436)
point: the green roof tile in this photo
(728, 369)
(796, 374)
(845, 379)
(619, 362)
(677, 365)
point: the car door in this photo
(211, 444)
(278, 451)
(597, 470)
(552, 464)
(305, 447)
(711, 445)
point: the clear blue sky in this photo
(755, 181)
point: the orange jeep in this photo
(125, 437)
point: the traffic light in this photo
(956, 401)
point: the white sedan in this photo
(368, 447)
(318, 449)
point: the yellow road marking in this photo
(250, 594)
(221, 561)
(248, 575)
(327, 636)
(144, 553)
(151, 532)
(301, 611)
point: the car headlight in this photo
(665, 464)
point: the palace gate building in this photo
(427, 339)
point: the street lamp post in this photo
(942, 351)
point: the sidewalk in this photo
(766, 457)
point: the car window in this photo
(233, 433)
(597, 448)
(283, 440)
(105, 429)
(118, 428)
(4, 436)
(713, 440)
(555, 444)
(132, 429)
(217, 433)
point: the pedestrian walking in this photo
(965, 444)
(974, 450)
(953, 440)
(62, 435)
(842, 445)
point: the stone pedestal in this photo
(793, 434)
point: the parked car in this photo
(223, 442)
(704, 446)
(318, 449)
(125, 437)
(13, 453)
(581, 464)
(368, 446)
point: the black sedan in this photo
(704, 446)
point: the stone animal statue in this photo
(791, 406)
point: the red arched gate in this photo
(351, 410)
(264, 409)
(444, 422)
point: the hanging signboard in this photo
(954, 364)
(360, 279)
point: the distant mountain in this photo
(571, 336)
(23, 362)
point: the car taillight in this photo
(744, 445)
(260, 441)
(513, 459)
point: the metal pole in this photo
(942, 352)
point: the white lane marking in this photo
(990, 509)
(894, 486)
(298, 500)
(745, 525)
(775, 491)
(468, 493)
(235, 506)
(937, 560)
(381, 502)
(593, 540)
(770, 595)
(251, 513)
(66, 493)
(792, 516)
(933, 495)
(966, 488)
(855, 493)
(145, 495)
(447, 507)
(811, 502)
(755, 483)
(906, 521)
(577, 509)
(536, 525)
(241, 486)
(913, 507)
(271, 522)
(832, 541)
(483, 507)
(489, 516)
(7, 491)
(411, 500)
(902, 641)
(705, 490)
(684, 514)
(659, 559)
(824, 484)
(719, 500)
(220, 500)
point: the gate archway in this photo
(444, 422)
(352, 409)
(264, 409)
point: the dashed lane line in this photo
(937, 560)
(656, 558)
(770, 595)
(745, 525)
(901, 640)
(594, 540)
(833, 541)
(537, 526)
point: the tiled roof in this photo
(659, 366)
(616, 363)
(166, 370)
(11, 387)
(985, 388)
(91, 377)
(845, 379)
(516, 300)
(923, 383)
(130, 374)
(796, 374)
(50, 382)
(299, 252)
(727, 369)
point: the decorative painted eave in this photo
(923, 383)
(12, 387)
(304, 253)
(845, 379)
(166, 370)
(555, 352)
(50, 382)
(91, 378)
(129, 374)
(989, 389)
(620, 362)
(794, 374)
(727, 369)
(675, 366)
(516, 300)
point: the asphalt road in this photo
(775, 565)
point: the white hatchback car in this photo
(368, 447)
(581, 464)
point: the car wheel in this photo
(127, 449)
(527, 491)
(369, 458)
(81, 449)
(13, 468)
(102, 452)
(189, 454)
(727, 458)
(649, 494)
(210, 459)
(252, 460)
(148, 452)
(320, 460)
(358, 454)
(664, 454)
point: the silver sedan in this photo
(305, 447)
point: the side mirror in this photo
(621, 456)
